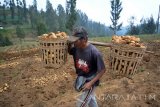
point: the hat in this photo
(78, 33)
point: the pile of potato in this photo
(4, 88)
(130, 40)
(53, 36)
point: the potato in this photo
(130, 40)
(52, 36)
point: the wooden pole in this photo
(110, 45)
(101, 44)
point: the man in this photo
(89, 66)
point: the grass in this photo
(2, 49)
(2, 61)
(31, 43)
(101, 39)
(25, 44)
(149, 37)
(144, 38)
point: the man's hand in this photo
(87, 86)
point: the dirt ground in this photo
(24, 82)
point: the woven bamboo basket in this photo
(54, 52)
(125, 59)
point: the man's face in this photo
(80, 43)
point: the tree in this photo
(35, 5)
(71, 14)
(24, 10)
(132, 30)
(7, 41)
(93, 28)
(4, 40)
(34, 15)
(82, 19)
(12, 9)
(115, 12)
(61, 17)
(4, 21)
(20, 32)
(51, 18)
(151, 25)
(20, 12)
(147, 26)
(41, 29)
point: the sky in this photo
(99, 10)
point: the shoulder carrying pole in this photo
(110, 45)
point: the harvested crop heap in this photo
(126, 54)
(54, 49)
(130, 40)
(53, 36)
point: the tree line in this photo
(15, 12)
(146, 26)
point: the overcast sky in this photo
(99, 10)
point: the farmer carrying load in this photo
(89, 66)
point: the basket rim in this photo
(129, 46)
(53, 40)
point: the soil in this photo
(24, 82)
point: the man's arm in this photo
(96, 78)
(70, 45)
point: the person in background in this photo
(89, 66)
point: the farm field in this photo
(24, 82)
(25, 48)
